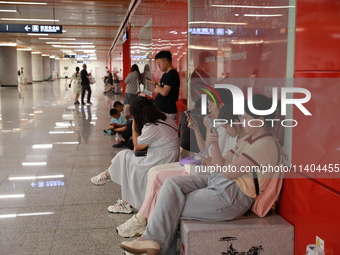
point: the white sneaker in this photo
(120, 207)
(131, 228)
(101, 179)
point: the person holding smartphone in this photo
(217, 197)
(167, 89)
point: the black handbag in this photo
(141, 153)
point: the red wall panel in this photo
(317, 35)
(312, 204)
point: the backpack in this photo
(268, 198)
(19, 72)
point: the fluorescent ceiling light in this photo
(8, 10)
(218, 23)
(13, 196)
(253, 7)
(53, 38)
(68, 43)
(38, 34)
(34, 163)
(74, 46)
(24, 49)
(42, 146)
(36, 52)
(263, 15)
(45, 55)
(15, 19)
(6, 2)
(36, 177)
(8, 44)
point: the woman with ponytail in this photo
(76, 85)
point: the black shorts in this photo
(66, 77)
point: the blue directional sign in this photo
(25, 28)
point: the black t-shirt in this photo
(167, 104)
(84, 79)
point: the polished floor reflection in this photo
(49, 150)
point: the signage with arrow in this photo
(25, 28)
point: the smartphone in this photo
(148, 79)
(187, 113)
(213, 129)
(203, 158)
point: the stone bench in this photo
(247, 235)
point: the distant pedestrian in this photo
(85, 84)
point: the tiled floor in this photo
(55, 209)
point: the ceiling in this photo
(96, 22)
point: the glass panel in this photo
(246, 43)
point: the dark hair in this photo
(164, 54)
(117, 103)
(113, 111)
(77, 70)
(146, 68)
(134, 67)
(260, 102)
(221, 96)
(144, 111)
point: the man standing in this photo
(168, 88)
(200, 77)
(85, 85)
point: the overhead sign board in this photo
(25, 28)
(81, 62)
(74, 56)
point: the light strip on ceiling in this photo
(50, 38)
(218, 23)
(8, 44)
(24, 49)
(6, 2)
(253, 7)
(8, 10)
(68, 43)
(39, 34)
(47, 20)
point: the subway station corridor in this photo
(49, 150)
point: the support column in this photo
(52, 65)
(8, 66)
(37, 69)
(57, 66)
(24, 59)
(46, 67)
